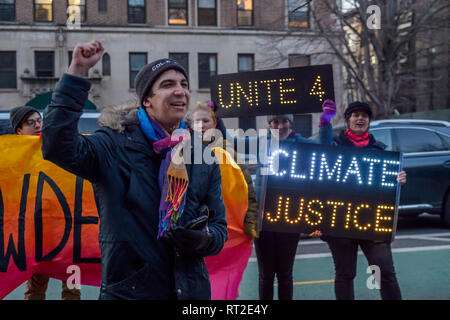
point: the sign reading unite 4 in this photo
(278, 91)
(344, 192)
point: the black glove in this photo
(193, 237)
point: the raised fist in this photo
(85, 56)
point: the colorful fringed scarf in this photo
(173, 179)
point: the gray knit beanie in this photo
(290, 117)
(150, 73)
(18, 115)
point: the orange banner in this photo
(48, 218)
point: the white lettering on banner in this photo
(353, 169)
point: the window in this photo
(69, 55)
(44, 62)
(181, 58)
(244, 12)
(43, 10)
(298, 60)
(298, 14)
(7, 10)
(418, 140)
(207, 13)
(106, 64)
(137, 61)
(8, 78)
(102, 6)
(384, 136)
(246, 62)
(77, 6)
(178, 12)
(207, 68)
(136, 11)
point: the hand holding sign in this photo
(85, 56)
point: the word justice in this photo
(322, 170)
(317, 213)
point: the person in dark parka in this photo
(344, 251)
(147, 249)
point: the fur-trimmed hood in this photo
(118, 117)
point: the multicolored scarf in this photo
(358, 140)
(173, 179)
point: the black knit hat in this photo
(150, 73)
(18, 115)
(357, 105)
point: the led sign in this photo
(278, 91)
(344, 192)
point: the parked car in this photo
(87, 124)
(425, 145)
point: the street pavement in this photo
(421, 252)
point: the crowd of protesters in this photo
(172, 227)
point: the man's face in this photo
(283, 125)
(31, 126)
(358, 123)
(170, 100)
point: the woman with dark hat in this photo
(344, 251)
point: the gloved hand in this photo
(194, 237)
(328, 112)
(250, 230)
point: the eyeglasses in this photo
(32, 122)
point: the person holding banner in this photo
(26, 120)
(226, 268)
(276, 251)
(344, 251)
(160, 215)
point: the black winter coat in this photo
(123, 169)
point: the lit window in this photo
(178, 12)
(43, 10)
(244, 12)
(77, 6)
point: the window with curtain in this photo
(137, 61)
(7, 10)
(44, 63)
(178, 12)
(8, 72)
(136, 11)
(78, 6)
(207, 68)
(43, 10)
(207, 13)
(244, 12)
(182, 58)
(246, 62)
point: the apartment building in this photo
(208, 37)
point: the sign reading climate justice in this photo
(278, 91)
(344, 192)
